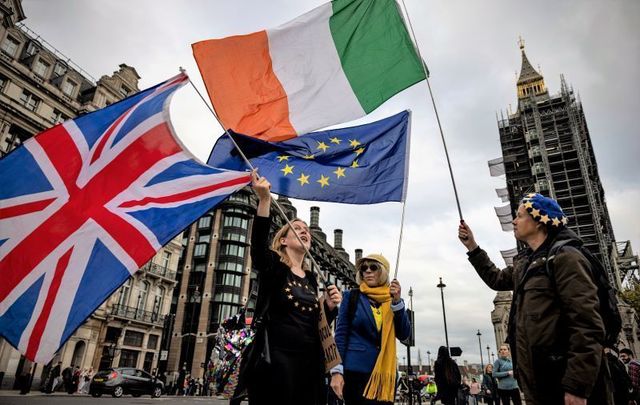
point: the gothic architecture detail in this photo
(547, 148)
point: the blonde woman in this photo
(503, 372)
(366, 335)
(291, 370)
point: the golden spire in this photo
(530, 82)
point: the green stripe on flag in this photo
(375, 50)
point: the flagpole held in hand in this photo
(325, 281)
(435, 110)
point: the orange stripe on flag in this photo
(244, 90)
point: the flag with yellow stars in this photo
(366, 164)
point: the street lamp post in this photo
(488, 357)
(441, 286)
(410, 340)
(409, 344)
(195, 296)
(429, 361)
(480, 347)
(493, 358)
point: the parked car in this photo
(125, 380)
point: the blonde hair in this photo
(486, 367)
(383, 278)
(280, 249)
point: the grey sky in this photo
(472, 53)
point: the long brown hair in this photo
(280, 249)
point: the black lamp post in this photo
(493, 358)
(488, 357)
(429, 361)
(441, 286)
(410, 340)
(195, 297)
(480, 347)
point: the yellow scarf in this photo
(382, 384)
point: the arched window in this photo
(142, 297)
(158, 300)
(78, 354)
(125, 291)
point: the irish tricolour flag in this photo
(333, 64)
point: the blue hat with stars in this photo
(545, 210)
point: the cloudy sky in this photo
(471, 50)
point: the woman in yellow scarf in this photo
(370, 319)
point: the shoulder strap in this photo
(354, 295)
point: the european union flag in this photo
(366, 164)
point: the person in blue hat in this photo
(555, 327)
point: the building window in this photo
(59, 69)
(32, 49)
(125, 290)
(204, 238)
(165, 259)
(227, 249)
(10, 46)
(142, 297)
(200, 250)
(158, 301)
(41, 68)
(124, 91)
(57, 117)
(228, 279)
(133, 338)
(231, 266)
(152, 342)
(3, 81)
(128, 358)
(239, 196)
(204, 222)
(148, 362)
(200, 268)
(235, 221)
(69, 88)
(222, 312)
(29, 100)
(112, 335)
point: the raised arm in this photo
(496, 279)
(261, 255)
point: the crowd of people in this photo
(556, 328)
(72, 379)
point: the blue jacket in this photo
(501, 367)
(364, 339)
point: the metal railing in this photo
(136, 314)
(159, 270)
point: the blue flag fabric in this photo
(366, 164)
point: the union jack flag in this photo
(86, 203)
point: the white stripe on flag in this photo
(318, 91)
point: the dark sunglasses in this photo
(373, 267)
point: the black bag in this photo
(606, 294)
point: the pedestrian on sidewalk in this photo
(447, 376)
